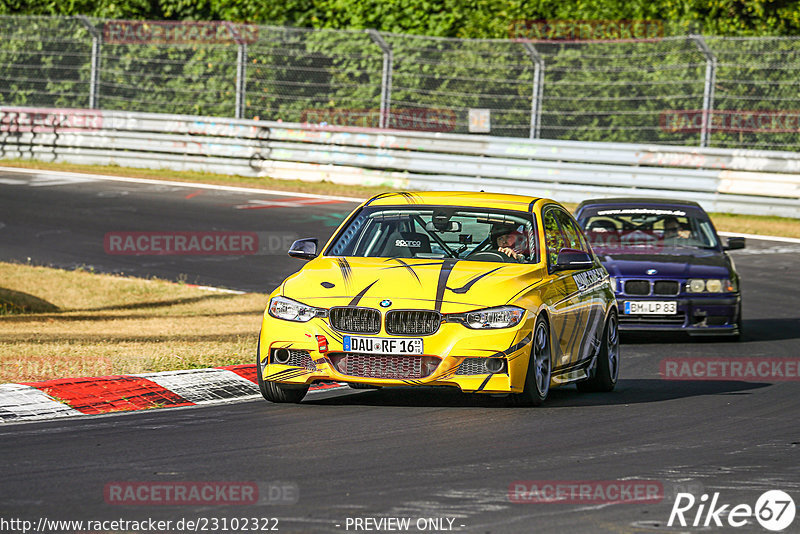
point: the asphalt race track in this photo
(395, 453)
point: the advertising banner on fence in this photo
(419, 119)
(731, 120)
(585, 30)
(177, 32)
(49, 120)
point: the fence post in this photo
(94, 75)
(708, 90)
(241, 79)
(241, 71)
(538, 90)
(386, 78)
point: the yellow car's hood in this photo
(446, 285)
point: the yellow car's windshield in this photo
(438, 232)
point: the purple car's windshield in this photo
(629, 227)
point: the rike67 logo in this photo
(774, 510)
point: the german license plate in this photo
(650, 307)
(383, 345)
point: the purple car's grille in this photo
(356, 320)
(666, 287)
(412, 322)
(637, 287)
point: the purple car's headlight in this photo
(711, 285)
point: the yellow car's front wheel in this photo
(537, 379)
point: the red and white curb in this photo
(69, 397)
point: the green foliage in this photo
(444, 18)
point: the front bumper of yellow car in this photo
(491, 361)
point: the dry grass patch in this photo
(102, 324)
(754, 224)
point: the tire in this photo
(540, 366)
(739, 324)
(273, 391)
(606, 371)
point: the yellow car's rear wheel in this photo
(537, 379)
(273, 391)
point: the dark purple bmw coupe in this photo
(668, 267)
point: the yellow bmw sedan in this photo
(490, 293)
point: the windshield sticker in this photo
(407, 243)
(642, 211)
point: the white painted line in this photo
(49, 181)
(25, 403)
(235, 189)
(218, 289)
(202, 386)
(761, 237)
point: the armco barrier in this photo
(722, 180)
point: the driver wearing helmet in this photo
(511, 242)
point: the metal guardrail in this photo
(722, 180)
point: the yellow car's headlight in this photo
(291, 310)
(498, 317)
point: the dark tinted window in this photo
(634, 227)
(436, 232)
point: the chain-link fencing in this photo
(687, 90)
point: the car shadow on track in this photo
(771, 329)
(631, 391)
(754, 330)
